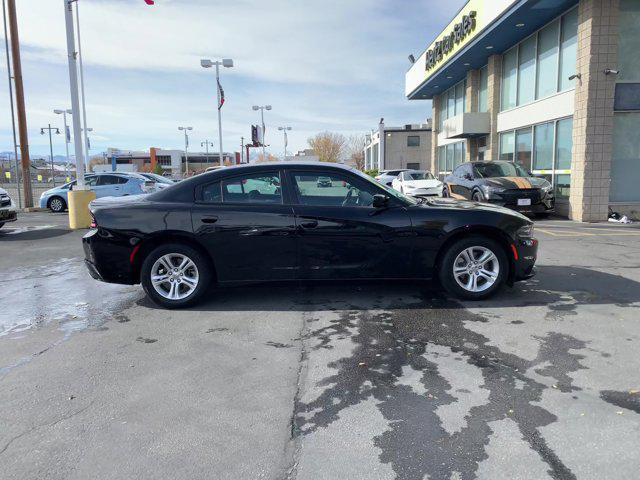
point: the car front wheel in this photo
(473, 268)
(175, 275)
(57, 204)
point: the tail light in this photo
(94, 223)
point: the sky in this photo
(335, 65)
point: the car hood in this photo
(454, 204)
(514, 183)
(430, 183)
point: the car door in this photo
(246, 223)
(396, 184)
(108, 186)
(342, 235)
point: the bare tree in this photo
(355, 150)
(329, 146)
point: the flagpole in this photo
(219, 114)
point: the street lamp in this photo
(227, 63)
(262, 109)
(67, 136)
(206, 145)
(50, 128)
(284, 130)
(186, 146)
(87, 142)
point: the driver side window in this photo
(332, 189)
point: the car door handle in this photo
(209, 219)
(309, 224)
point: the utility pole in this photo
(186, 147)
(22, 116)
(50, 128)
(241, 149)
(13, 115)
(82, 96)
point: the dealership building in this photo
(551, 84)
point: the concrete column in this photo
(435, 122)
(471, 99)
(593, 118)
(494, 77)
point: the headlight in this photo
(491, 190)
(525, 231)
(546, 188)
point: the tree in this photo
(329, 146)
(355, 150)
(158, 170)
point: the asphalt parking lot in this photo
(349, 381)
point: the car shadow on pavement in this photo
(561, 289)
(7, 234)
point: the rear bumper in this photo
(525, 252)
(108, 260)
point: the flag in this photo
(221, 91)
(149, 2)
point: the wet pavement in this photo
(371, 381)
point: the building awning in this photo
(497, 26)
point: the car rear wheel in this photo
(477, 197)
(57, 204)
(175, 275)
(473, 268)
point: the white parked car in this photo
(418, 183)
(8, 212)
(386, 177)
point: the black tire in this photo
(204, 271)
(477, 197)
(445, 192)
(446, 267)
(57, 204)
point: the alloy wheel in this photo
(174, 276)
(476, 269)
(56, 205)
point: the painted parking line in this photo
(587, 232)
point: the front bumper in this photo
(425, 192)
(525, 253)
(8, 214)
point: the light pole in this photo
(84, 107)
(87, 143)
(13, 116)
(67, 136)
(262, 109)
(50, 128)
(186, 147)
(227, 63)
(284, 129)
(206, 144)
(75, 102)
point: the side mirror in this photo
(380, 201)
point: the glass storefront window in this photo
(451, 103)
(457, 154)
(625, 161)
(443, 111)
(450, 155)
(523, 147)
(629, 41)
(442, 159)
(564, 147)
(543, 147)
(527, 71)
(568, 48)
(483, 90)
(509, 79)
(547, 60)
(507, 146)
(460, 96)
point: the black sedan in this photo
(502, 183)
(272, 222)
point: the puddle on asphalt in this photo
(60, 293)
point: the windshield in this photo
(419, 176)
(499, 169)
(394, 193)
(158, 178)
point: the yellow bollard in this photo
(79, 216)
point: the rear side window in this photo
(257, 188)
(111, 180)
